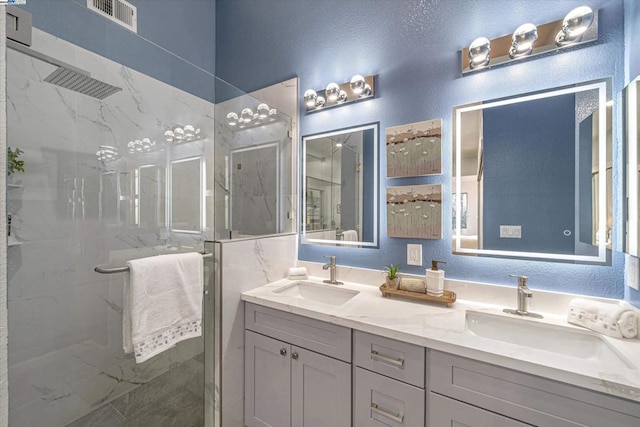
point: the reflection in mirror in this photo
(151, 196)
(109, 200)
(340, 187)
(532, 175)
(255, 181)
(632, 96)
(186, 195)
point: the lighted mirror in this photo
(632, 96)
(532, 175)
(186, 195)
(340, 187)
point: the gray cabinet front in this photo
(381, 401)
(320, 390)
(267, 382)
(451, 413)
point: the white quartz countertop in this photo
(440, 328)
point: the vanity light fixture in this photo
(180, 134)
(107, 153)
(579, 26)
(141, 145)
(248, 118)
(334, 94)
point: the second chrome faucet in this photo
(523, 294)
(332, 270)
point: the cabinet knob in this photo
(294, 355)
(283, 351)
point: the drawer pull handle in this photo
(377, 356)
(283, 351)
(395, 417)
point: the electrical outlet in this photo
(631, 270)
(414, 254)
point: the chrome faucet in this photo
(332, 270)
(523, 293)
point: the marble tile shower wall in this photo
(245, 265)
(70, 213)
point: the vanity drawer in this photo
(325, 338)
(525, 397)
(382, 401)
(395, 359)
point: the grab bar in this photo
(124, 269)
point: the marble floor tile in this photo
(182, 409)
(186, 376)
(105, 416)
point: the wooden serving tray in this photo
(447, 297)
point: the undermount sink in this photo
(550, 338)
(325, 294)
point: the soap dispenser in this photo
(435, 279)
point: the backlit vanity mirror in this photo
(340, 187)
(532, 175)
(632, 97)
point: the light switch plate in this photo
(511, 231)
(414, 254)
(632, 272)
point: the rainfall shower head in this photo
(68, 76)
(80, 82)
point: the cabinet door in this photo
(447, 412)
(320, 390)
(267, 382)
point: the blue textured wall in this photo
(175, 42)
(522, 141)
(414, 49)
(632, 70)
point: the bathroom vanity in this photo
(320, 355)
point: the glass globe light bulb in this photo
(574, 25)
(366, 91)
(577, 21)
(523, 39)
(179, 133)
(479, 51)
(168, 136)
(332, 92)
(342, 96)
(263, 111)
(246, 115)
(189, 131)
(310, 97)
(320, 101)
(232, 119)
(357, 84)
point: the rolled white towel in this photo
(297, 273)
(606, 318)
(413, 285)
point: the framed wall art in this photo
(414, 149)
(415, 211)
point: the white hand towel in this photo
(297, 273)
(350, 235)
(606, 318)
(162, 303)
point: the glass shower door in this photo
(100, 176)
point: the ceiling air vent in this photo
(119, 11)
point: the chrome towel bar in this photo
(124, 269)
